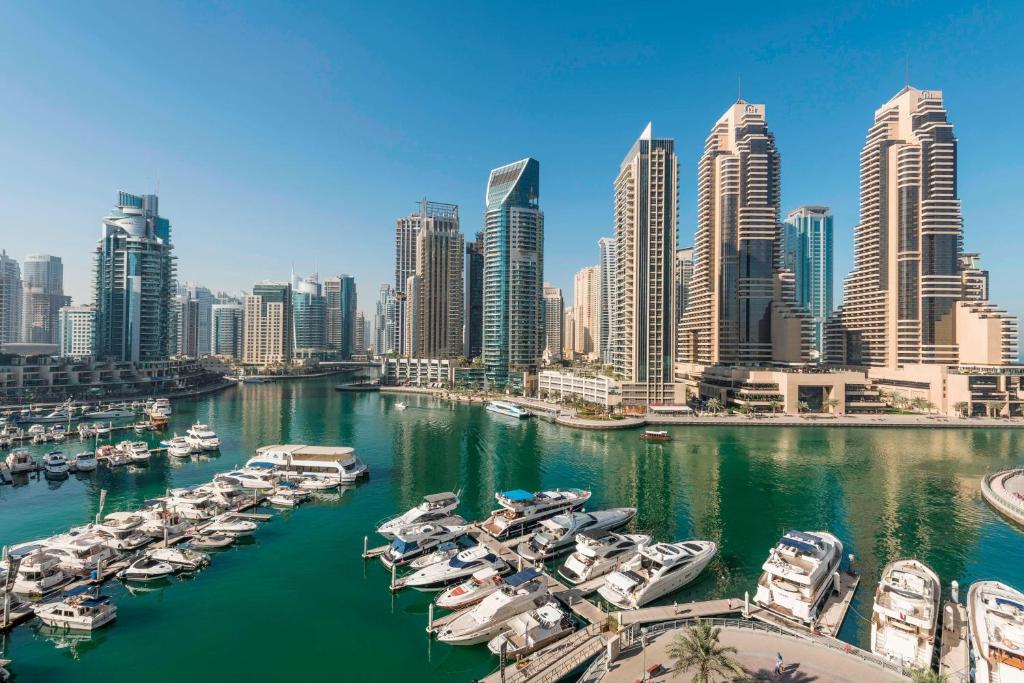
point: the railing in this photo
(1001, 501)
(556, 660)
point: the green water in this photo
(300, 604)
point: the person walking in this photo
(778, 663)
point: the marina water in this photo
(298, 603)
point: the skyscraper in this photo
(42, 298)
(684, 272)
(406, 231)
(308, 313)
(807, 252)
(554, 313)
(10, 299)
(904, 303)
(204, 308)
(226, 320)
(513, 334)
(740, 309)
(608, 298)
(586, 296)
(75, 335)
(362, 334)
(437, 306)
(646, 204)
(186, 317)
(267, 324)
(413, 306)
(385, 320)
(472, 340)
(340, 298)
(134, 282)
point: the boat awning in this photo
(517, 495)
(96, 602)
(260, 465)
(438, 497)
(798, 545)
(522, 577)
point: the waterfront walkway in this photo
(1004, 491)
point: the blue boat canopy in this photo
(1010, 603)
(96, 602)
(518, 494)
(522, 577)
(803, 536)
(260, 465)
(798, 545)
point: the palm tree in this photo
(961, 407)
(775, 405)
(803, 407)
(698, 651)
(833, 403)
(927, 676)
(714, 405)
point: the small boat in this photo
(657, 571)
(904, 619)
(659, 436)
(140, 427)
(434, 507)
(800, 573)
(57, 434)
(530, 631)
(400, 406)
(84, 462)
(86, 430)
(146, 569)
(38, 574)
(40, 438)
(109, 414)
(179, 447)
(252, 478)
(103, 430)
(559, 532)
(138, 451)
(230, 525)
(598, 553)
(443, 574)
(181, 559)
(55, 464)
(283, 500)
(36, 430)
(20, 460)
(444, 552)
(522, 592)
(995, 615)
(311, 482)
(482, 583)
(522, 511)
(419, 539)
(78, 611)
(212, 541)
(508, 409)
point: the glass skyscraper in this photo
(513, 318)
(308, 311)
(43, 297)
(807, 252)
(474, 298)
(340, 299)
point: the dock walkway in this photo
(689, 610)
(953, 654)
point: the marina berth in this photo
(995, 615)
(800, 573)
(332, 463)
(530, 631)
(600, 552)
(522, 511)
(508, 409)
(434, 507)
(482, 583)
(522, 592)
(443, 574)
(77, 610)
(656, 571)
(904, 619)
(559, 532)
(419, 539)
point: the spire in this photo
(646, 135)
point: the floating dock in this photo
(954, 659)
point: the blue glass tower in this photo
(807, 251)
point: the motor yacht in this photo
(329, 462)
(36, 430)
(226, 524)
(178, 447)
(159, 519)
(434, 507)
(161, 406)
(109, 413)
(78, 611)
(103, 430)
(39, 574)
(443, 553)
(57, 433)
(141, 427)
(20, 460)
(283, 500)
(208, 541)
(138, 451)
(904, 619)
(656, 571)
(414, 541)
(55, 464)
(250, 477)
(800, 573)
(312, 482)
(182, 559)
(84, 462)
(112, 457)
(508, 409)
(146, 568)
(559, 532)
(598, 553)
(522, 592)
(80, 553)
(443, 574)
(197, 507)
(655, 436)
(120, 531)
(521, 511)
(201, 438)
(482, 583)
(995, 616)
(530, 631)
(86, 431)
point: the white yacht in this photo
(995, 615)
(81, 553)
(442, 553)
(55, 463)
(414, 541)
(400, 406)
(312, 482)
(120, 531)
(78, 612)
(86, 431)
(904, 620)
(201, 438)
(443, 574)
(559, 532)
(38, 574)
(109, 413)
(158, 522)
(138, 451)
(84, 462)
(179, 447)
(337, 464)
(521, 511)
(226, 524)
(530, 631)
(800, 573)
(522, 592)
(36, 430)
(181, 558)
(20, 460)
(250, 477)
(435, 506)
(211, 541)
(656, 571)
(600, 552)
(160, 407)
(508, 408)
(482, 583)
(146, 568)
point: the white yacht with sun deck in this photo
(558, 533)
(77, 611)
(904, 620)
(419, 539)
(482, 583)
(530, 631)
(995, 614)
(38, 574)
(333, 463)
(201, 438)
(443, 574)
(522, 511)
(656, 571)
(434, 506)
(600, 552)
(800, 573)
(522, 592)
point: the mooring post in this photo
(394, 571)
(366, 541)
(954, 590)
(430, 617)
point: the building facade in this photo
(586, 298)
(554, 314)
(684, 272)
(975, 278)
(807, 252)
(42, 298)
(134, 275)
(472, 340)
(608, 298)
(227, 332)
(340, 299)
(513, 324)
(10, 299)
(75, 330)
(362, 335)
(437, 306)
(267, 324)
(309, 313)
(385, 322)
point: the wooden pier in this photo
(15, 615)
(954, 659)
(688, 610)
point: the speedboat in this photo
(84, 462)
(507, 408)
(20, 460)
(55, 463)
(522, 592)
(38, 574)
(434, 507)
(995, 615)
(226, 524)
(283, 499)
(800, 573)
(443, 553)
(182, 559)
(442, 574)
(559, 532)
(311, 482)
(211, 541)
(530, 631)
(400, 406)
(656, 571)
(482, 583)
(253, 478)
(414, 541)
(521, 511)
(201, 438)
(904, 620)
(600, 552)
(79, 611)
(179, 447)
(146, 568)
(139, 452)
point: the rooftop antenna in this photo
(739, 88)
(906, 71)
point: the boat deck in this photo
(829, 621)
(953, 653)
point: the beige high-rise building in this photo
(646, 208)
(740, 308)
(908, 301)
(267, 324)
(569, 334)
(554, 317)
(586, 295)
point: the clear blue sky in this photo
(283, 135)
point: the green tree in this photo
(803, 407)
(833, 403)
(927, 676)
(698, 652)
(775, 406)
(714, 405)
(961, 408)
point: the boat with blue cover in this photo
(522, 511)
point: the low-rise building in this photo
(589, 387)
(417, 372)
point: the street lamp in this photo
(643, 645)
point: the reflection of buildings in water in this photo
(264, 419)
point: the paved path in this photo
(953, 655)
